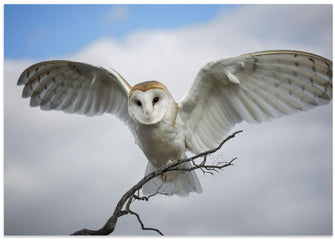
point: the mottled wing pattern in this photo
(252, 87)
(75, 87)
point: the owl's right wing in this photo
(252, 87)
(75, 87)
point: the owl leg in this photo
(164, 175)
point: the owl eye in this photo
(138, 102)
(155, 100)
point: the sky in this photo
(66, 172)
(72, 32)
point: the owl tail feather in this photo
(177, 182)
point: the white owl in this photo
(252, 87)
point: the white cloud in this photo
(71, 170)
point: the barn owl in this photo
(253, 87)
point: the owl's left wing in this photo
(75, 87)
(252, 87)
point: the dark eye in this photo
(156, 99)
(138, 102)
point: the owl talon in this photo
(164, 175)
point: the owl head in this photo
(149, 102)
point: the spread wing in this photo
(253, 87)
(75, 87)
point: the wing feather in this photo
(75, 87)
(277, 95)
(80, 104)
(291, 88)
(262, 109)
(69, 104)
(253, 87)
(262, 90)
(52, 86)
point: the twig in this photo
(142, 225)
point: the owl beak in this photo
(148, 112)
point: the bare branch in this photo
(142, 225)
(131, 196)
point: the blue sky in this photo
(42, 31)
